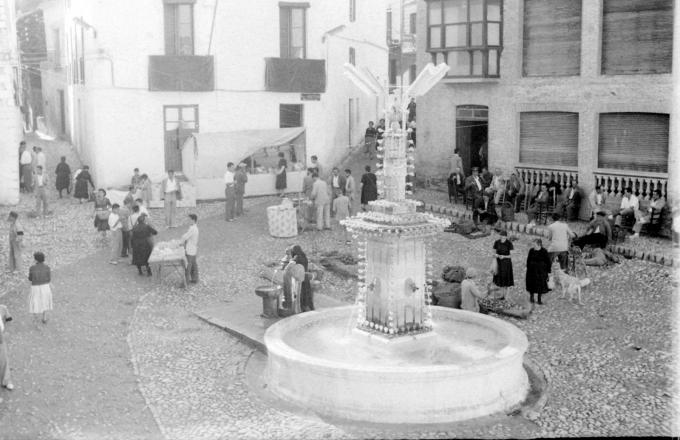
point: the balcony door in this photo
(180, 122)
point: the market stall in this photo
(171, 256)
(205, 157)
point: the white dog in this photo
(569, 284)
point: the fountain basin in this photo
(469, 366)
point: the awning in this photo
(205, 155)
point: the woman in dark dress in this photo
(538, 268)
(63, 177)
(369, 187)
(142, 244)
(281, 175)
(503, 277)
(81, 191)
(306, 296)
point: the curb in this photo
(542, 232)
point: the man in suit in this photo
(337, 183)
(486, 212)
(350, 189)
(475, 187)
(571, 203)
(322, 203)
(541, 200)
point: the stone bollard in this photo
(270, 300)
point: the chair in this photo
(469, 200)
(547, 209)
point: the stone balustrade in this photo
(534, 176)
(614, 183)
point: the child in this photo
(40, 296)
(469, 292)
(341, 210)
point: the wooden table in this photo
(175, 260)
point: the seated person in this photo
(599, 232)
(597, 201)
(599, 257)
(496, 185)
(513, 187)
(540, 201)
(486, 211)
(469, 292)
(487, 177)
(641, 218)
(571, 203)
(456, 184)
(629, 204)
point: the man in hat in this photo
(240, 180)
(475, 187)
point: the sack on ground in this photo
(453, 274)
(447, 294)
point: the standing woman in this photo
(306, 294)
(16, 235)
(538, 268)
(281, 174)
(503, 277)
(102, 207)
(81, 190)
(40, 297)
(5, 379)
(142, 244)
(63, 177)
(145, 189)
(369, 187)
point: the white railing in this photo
(614, 183)
(534, 175)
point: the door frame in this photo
(179, 107)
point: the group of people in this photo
(374, 134)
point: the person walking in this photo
(170, 194)
(369, 187)
(350, 189)
(16, 236)
(83, 177)
(40, 296)
(116, 228)
(63, 173)
(336, 183)
(560, 234)
(229, 193)
(503, 277)
(101, 213)
(26, 161)
(538, 268)
(124, 213)
(5, 379)
(240, 180)
(41, 182)
(322, 202)
(190, 240)
(142, 244)
(281, 179)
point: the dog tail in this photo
(584, 282)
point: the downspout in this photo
(212, 26)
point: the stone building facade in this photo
(565, 99)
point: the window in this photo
(637, 36)
(548, 138)
(412, 23)
(352, 10)
(179, 28)
(633, 141)
(552, 37)
(467, 35)
(290, 115)
(293, 32)
(411, 73)
(352, 56)
(389, 27)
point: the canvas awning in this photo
(205, 155)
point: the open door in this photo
(472, 129)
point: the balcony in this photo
(181, 73)
(294, 75)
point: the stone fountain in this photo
(393, 357)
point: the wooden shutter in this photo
(637, 36)
(290, 115)
(548, 138)
(634, 141)
(552, 37)
(169, 11)
(284, 32)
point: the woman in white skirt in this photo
(40, 298)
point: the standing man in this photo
(16, 237)
(475, 187)
(350, 189)
(40, 159)
(190, 240)
(337, 184)
(240, 180)
(170, 193)
(116, 228)
(40, 190)
(22, 148)
(26, 161)
(229, 192)
(322, 202)
(560, 233)
(136, 178)
(317, 166)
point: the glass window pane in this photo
(456, 35)
(171, 126)
(296, 37)
(493, 63)
(459, 62)
(477, 61)
(188, 114)
(493, 10)
(455, 11)
(476, 34)
(188, 125)
(493, 37)
(435, 12)
(297, 52)
(441, 58)
(476, 10)
(298, 17)
(171, 114)
(435, 37)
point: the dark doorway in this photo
(472, 129)
(180, 122)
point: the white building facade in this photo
(402, 34)
(129, 81)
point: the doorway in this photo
(472, 133)
(180, 122)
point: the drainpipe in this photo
(673, 153)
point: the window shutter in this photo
(634, 141)
(284, 25)
(549, 138)
(170, 29)
(552, 37)
(637, 36)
